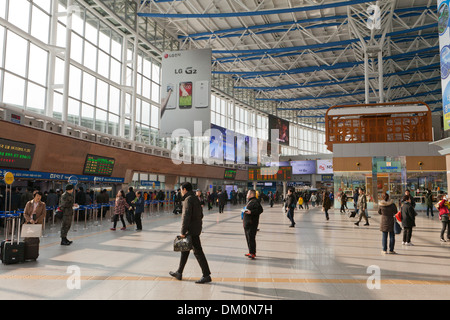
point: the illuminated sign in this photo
(230, 174)
(15, 154)
(98, 165)
(270, 174)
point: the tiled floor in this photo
(317, 259)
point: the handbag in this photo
(398, 216)
(397, 227)
(182, 244)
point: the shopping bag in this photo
(31, 230)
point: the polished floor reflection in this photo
(318, 259)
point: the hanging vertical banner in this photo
(444, 44)
(185, 90)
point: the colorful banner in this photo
(444, 44)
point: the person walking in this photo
(326, 205)
(66, 205)
(290, 206)
(429, 202)
(138, 209)
(444, 217)
(408, 219)
(362, 207)
(343, 202)
(387, 210)
(121, 205)
(253, 210)
(191, 224)
(300, 202)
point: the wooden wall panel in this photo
(63, 154)
(429, 163)
(349, 164)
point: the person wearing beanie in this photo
(66, 205)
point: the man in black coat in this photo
(191, 224)
(251, 220)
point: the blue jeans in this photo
(391, 241)
(290, 215)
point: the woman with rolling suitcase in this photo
(34, 213)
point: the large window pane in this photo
(16, 54)
(114, 100)
(38, 65)
(13, 90)
(19, 13)
(102, 94)
(40, 24)
(75, 82)
(88, 88)
(90, 56)
(76, 52)
(36, 97)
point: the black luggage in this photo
(31, 248)
(12, 251)
(352, 214)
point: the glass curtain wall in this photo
(102, 89)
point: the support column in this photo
(65, 109)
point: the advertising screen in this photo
(283, 128)
(98, 165)
(227, 142)
(303, 167)
(325, 166)
(15, 154)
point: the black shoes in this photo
(176, 275)
(204, 279)
(65, 242)
(179, 276)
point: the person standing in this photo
(362, 207)
(66, 205)
(387, 210)
(222, 197)
(290, 206)
(191, 224)
(138, 210)
(444, 217)
(343, 202)
(326, 204)
(253, 210)
(408, 219)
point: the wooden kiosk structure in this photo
(380, 122)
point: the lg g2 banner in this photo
(185, 91)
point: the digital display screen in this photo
(15, 154)
(303, 167)
(230, 174)
(98, 165)
(270, 174)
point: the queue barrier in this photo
(90, 212)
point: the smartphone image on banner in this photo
(201, 94)
(185, 95)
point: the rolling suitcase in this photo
(11, 251)
(31, 248)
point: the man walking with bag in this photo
(192, 215)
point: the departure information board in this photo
(15, 154)
(230, 174)
(98, 165)
(270, 174)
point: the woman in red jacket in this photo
(120, 206)
(444, 217)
